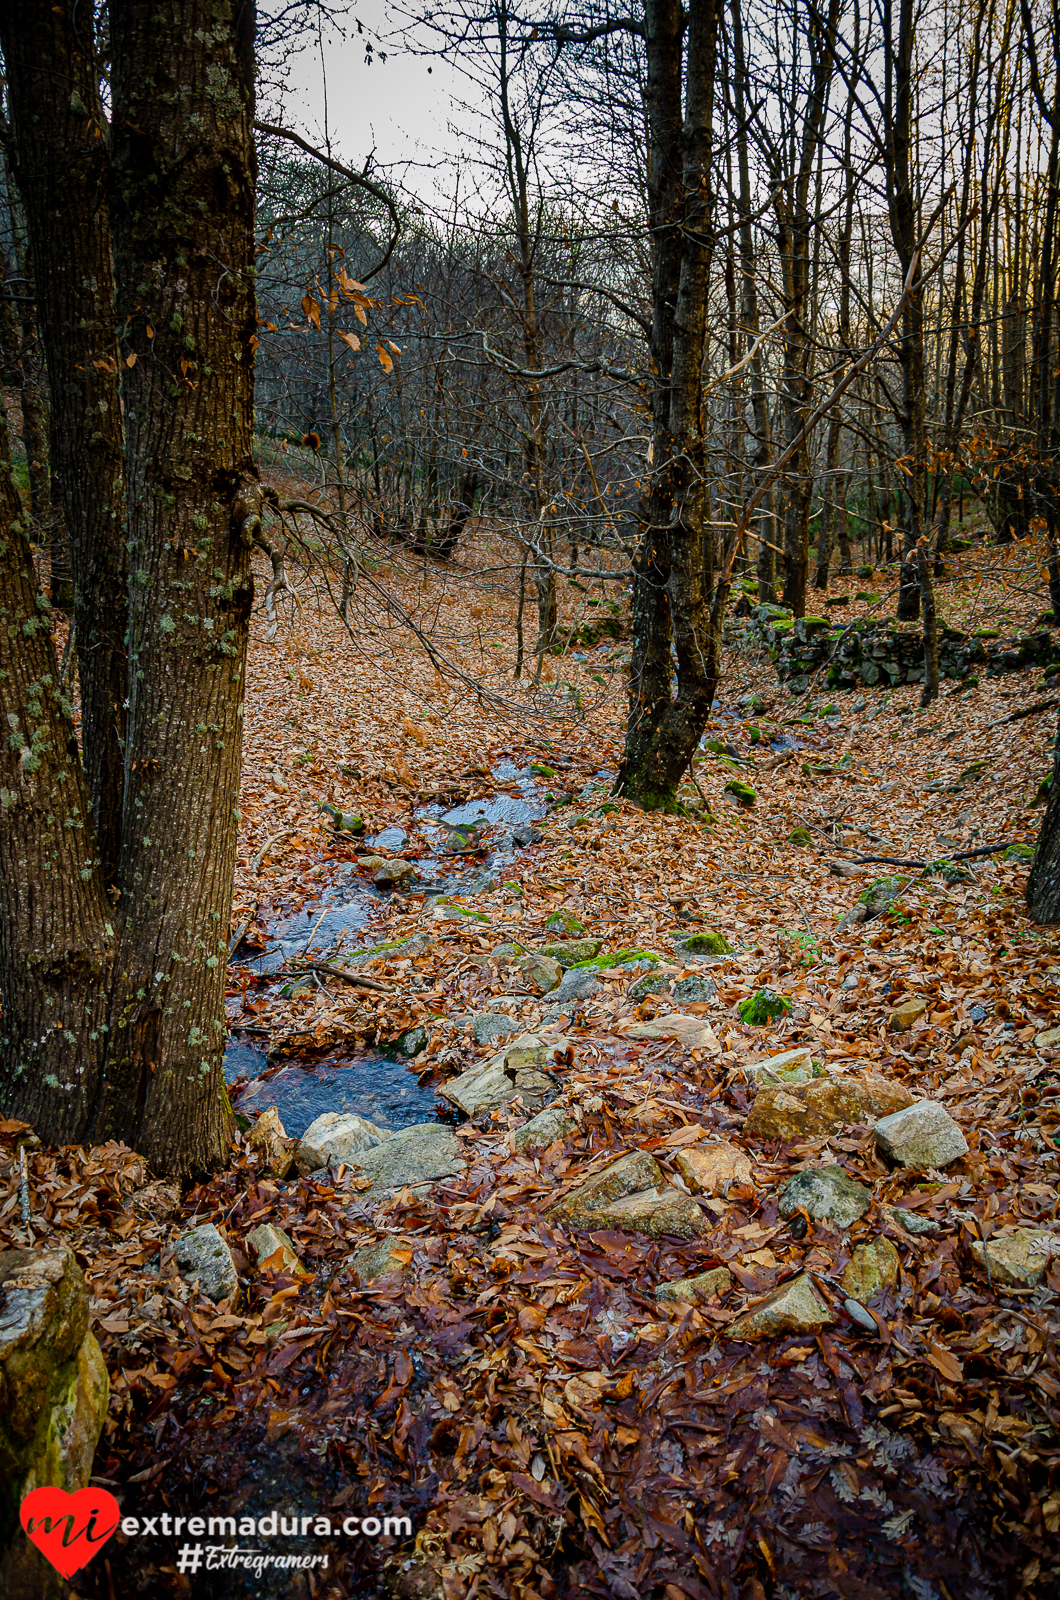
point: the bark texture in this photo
(61, 162)
(1043, 884)
(182, 211)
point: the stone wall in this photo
(875, 654)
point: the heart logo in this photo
(69, 1529)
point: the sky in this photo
(402, 109)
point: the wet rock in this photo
(412, 1041)
(811, 1109)
(54, 1392)
(713, 1168)
(270, 1137)
(205, 1263)
(542, 973)
(269, 1246)
(827, 1194)
(910, 1011)
(383, 1255)
(416, 1156)
(922, 1134)
(371, 863)
(491, 1026)
(392, 874)
(334, 1138)
(390, 950)
(549, 1125)
(526, 835)
(568, 952)
(1018, 1260)
(716, 1282)
(762, 1007)
(796, 1307)
(872, 1268)
(519, 1069)
(793, 1066)
(694, 991)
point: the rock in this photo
(334, 1138)
(857, 1313)
(390, 950)
(1048, 1039)
(659, 1213)
(385, 1255)
(764, 1006)
(631, 1195)
(491, 1026)
(741, 792)
(541, 972)
(716, 1282)
(371, 863)
(792, 1066)
(811, 1109)
(910, 1011)
(691, 1032)
(549, 1125)
(577, 984)
(800, 836)
(520, 1069)
(796, 1307)
(713, 1168)
(694, 991)
(270, 1137)
(506, 953)
(920, 1135)
(705, 943)
(412, 1041)
(271, 1246)
(392, 874)
(651, 983)
(826, 1194)
(416, 1156)
(566, 923)
(872, 1268)
(1018, 1260)
(568, 952)
(909, 1221)
(526, 835)
(205, 1263)
(54, 1392)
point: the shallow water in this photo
(384, 1091)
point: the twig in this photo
(1026, 711)
(347, 977)
(259, 859)
(959, 855)
(314, 928)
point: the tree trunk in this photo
(184, 270)
(931, 628)
(659, 749)
(56, 937)
(1043, 884)
(60, 161)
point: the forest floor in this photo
(510, 1381)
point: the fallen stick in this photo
(959, 855)
(1025, 711)
(347, 977)
(257, 863)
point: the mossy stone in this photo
(800, 836)
(741, 792)
(567, 923)
(762, 1007)
(707, 943)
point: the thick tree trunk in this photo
(33, 403)
(1043, 884)
(182, 215)
(56, 938)
(60, 160)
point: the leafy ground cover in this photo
(513, 1384)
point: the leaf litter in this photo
(512, 1385)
